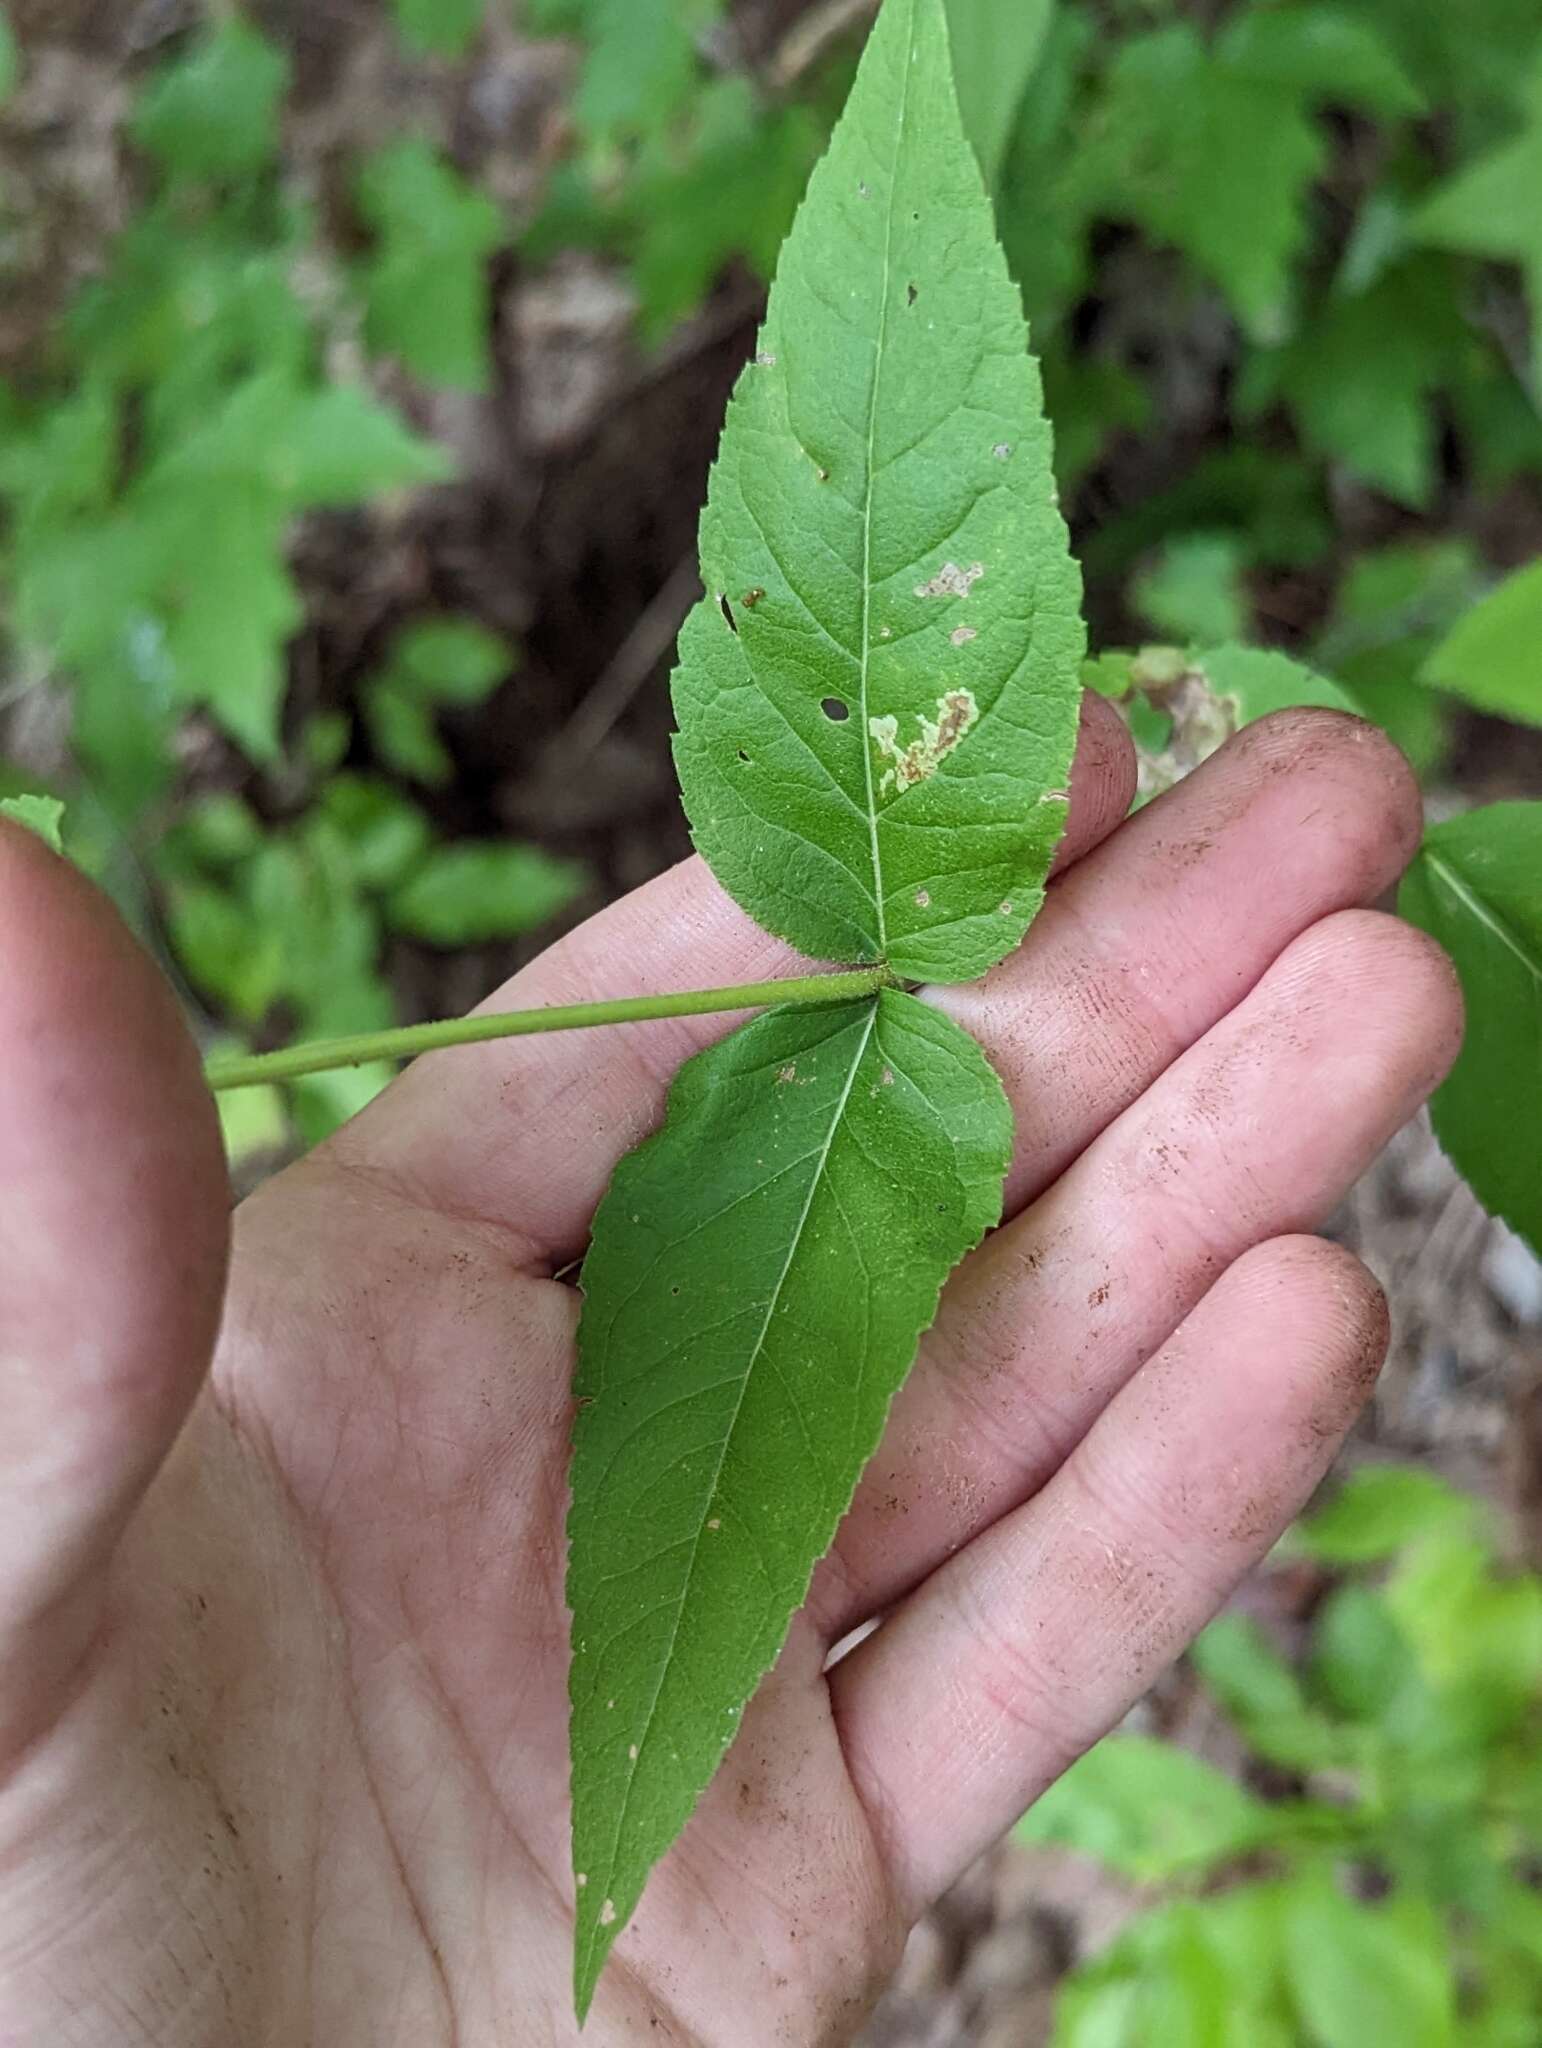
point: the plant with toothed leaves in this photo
(877, 705)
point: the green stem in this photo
(322, 1055)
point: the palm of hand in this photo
(287, 1760)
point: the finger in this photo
(1168, 923)
(1162, 930)
(1258, 1130)
(112, 1223)
(527, 1134)
(1028, 1646)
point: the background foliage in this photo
(335, 603)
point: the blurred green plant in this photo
(43, 815)
(152, 473)
(427, 299)
(1390, 1895)
(436, 665)
(1332, 197)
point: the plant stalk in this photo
(320, 1056)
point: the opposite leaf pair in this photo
(878, 705)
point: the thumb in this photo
(113, 1231)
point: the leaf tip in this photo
(594, 1934)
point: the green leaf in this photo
(1477, 1636)
(1361, 1662)
(216, 832)
(995, 50)
(877, 699)
(1194, 590)
(438, 28)
(1181, 707)
(642, 61)
(1469, 56)
(427, 296)
(1263, 1695)
(1187, 1974)
(10, 58)
(1490, 209)
(471, 891)
(1044, 221)
(1325, 53)
(214, 111)
(1391, 609)
(731, 189)
(1147, 1809)
(343, 447)
(1254, 682)
(302, 892)
(449, 661)
(1394, 594)
(223, 951)
(402, 731)
(1208, 157)
(435, 662)
(297, 447)
(817, 1177)
(324, 741)
(323, 1102)
(253, 1121)
(1493, 657)
(1378, 1511)
(386, 836)
(1362, 378)
(43, 815)
(1361, 1974)
(234, 610)
(1474, 886)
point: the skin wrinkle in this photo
(983, 1361)
(310, 1532)
(1116, 1562)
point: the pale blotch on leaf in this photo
(956, 713)
(1002, 451)
(923, 899)
(962, 635)
(608, 1913)
(952, 581)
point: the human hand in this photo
(282, 1644)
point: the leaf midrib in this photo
(1484, 912)
(867, 499)
(667, 1660)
